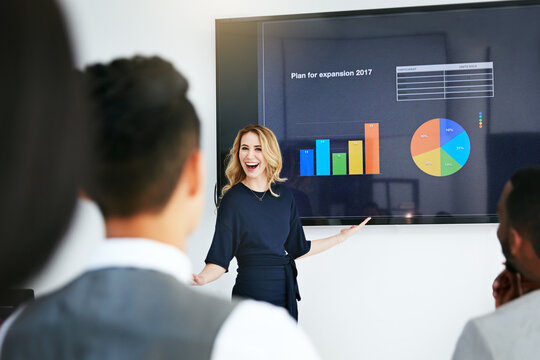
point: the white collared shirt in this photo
(253, 330)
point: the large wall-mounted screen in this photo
(409, 115)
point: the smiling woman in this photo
(263, 232)
(253, 161)
(254, 158)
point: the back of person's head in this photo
(523, 205)
(147, 129)
(43, 136)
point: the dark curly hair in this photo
(523, 205)
(145, 131)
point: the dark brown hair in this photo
(146, 129)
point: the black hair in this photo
(146, 129)
(43, 136)
(523, 205)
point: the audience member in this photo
(135, 302)
(43, 137)
(513, 330)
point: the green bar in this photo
(339, 164)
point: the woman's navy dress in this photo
(265, 236)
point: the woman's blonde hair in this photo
(270, 150)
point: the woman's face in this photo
(251, 156)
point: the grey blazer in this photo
(118, 313)
(512, 332)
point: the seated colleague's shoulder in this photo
(512, 332)
(176, 311)
(508, 319)
(256, 327)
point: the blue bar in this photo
(307, 163)
(322, 152)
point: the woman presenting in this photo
(258, 223)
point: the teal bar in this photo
(322, 156)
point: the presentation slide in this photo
(396, 115)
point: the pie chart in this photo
(440, 147)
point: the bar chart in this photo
(362, 156)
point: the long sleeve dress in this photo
(265, 236)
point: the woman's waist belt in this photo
(286, 261)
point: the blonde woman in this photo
(258, 223)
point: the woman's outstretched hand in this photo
(318, 246)
(347, 233)
(198, 280)
(210, 273)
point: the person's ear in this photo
(515, 241)
(195, 172)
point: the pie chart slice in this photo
(448, 164)
(449, 130)
(440, 147)
(426, 138)
(429, 162)
(459, 148)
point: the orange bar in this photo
(371, 141)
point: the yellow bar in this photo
(356, 157)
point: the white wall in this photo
(392, 292)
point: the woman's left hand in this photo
(347, 233)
